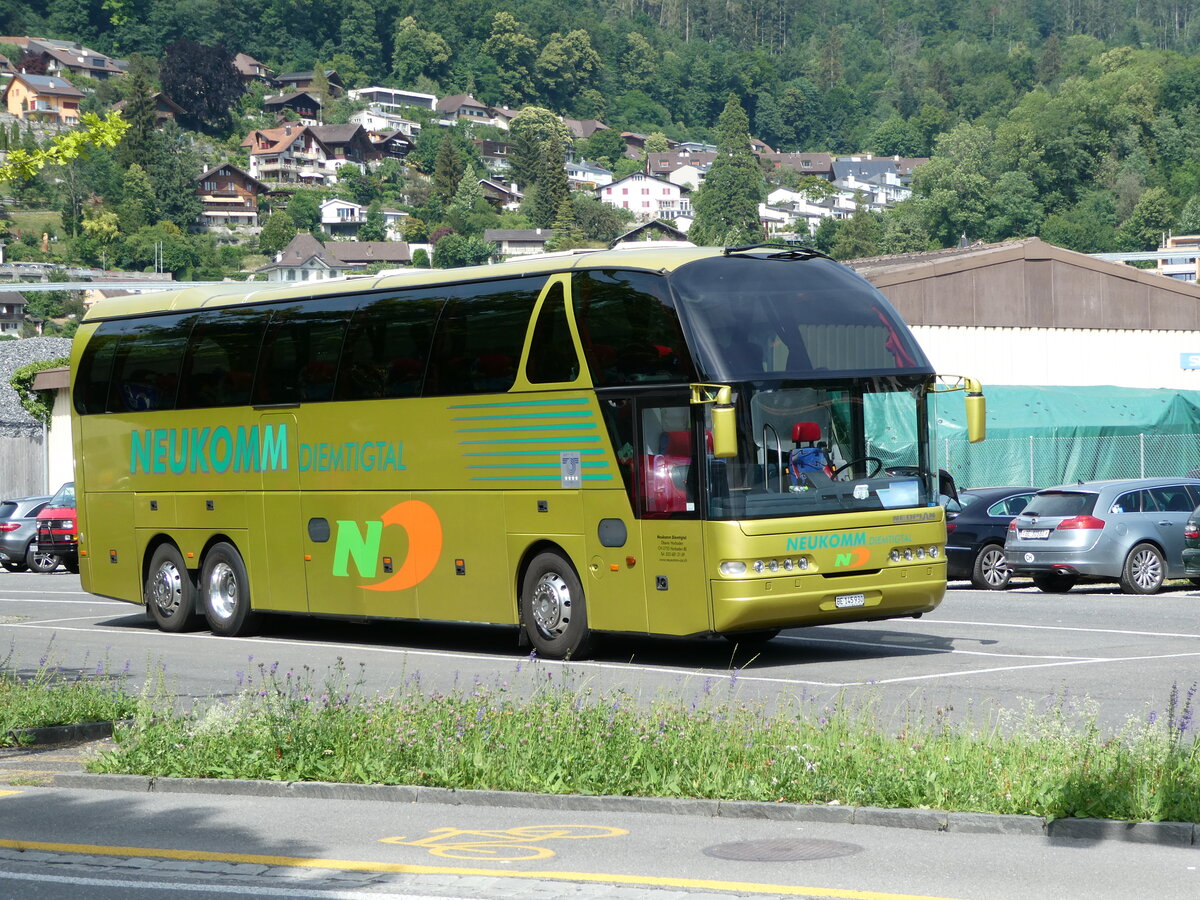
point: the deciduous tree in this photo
(204, 81)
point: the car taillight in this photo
(950, 526)
(1191, 531)
(1081, 523)
(9, 526)
(1012, 526)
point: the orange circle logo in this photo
(424, 530)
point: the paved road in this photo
(979, 651)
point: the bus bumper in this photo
(789, 602)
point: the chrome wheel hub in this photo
(222, 590)
(166, 589)
(1147, 570)
(551, 604)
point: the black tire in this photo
(990, 572)
(225, 592)
(1144, 570)
(39, 561)
(15, 566)
(170, 593)
(1194, 581)
(553, 609)
(1054, 582)
(72, 566)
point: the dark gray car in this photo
(1129, 531)
(18, 527)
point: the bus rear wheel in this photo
(225, 592)
(170, 594)
(553, 609)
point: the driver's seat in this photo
(808, 453)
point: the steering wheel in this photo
(862, 459)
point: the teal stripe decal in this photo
(553, 440)
(591, 427)
(554, 478)
(582, 414)
(586, 465)
(555, 453)
(517, 403)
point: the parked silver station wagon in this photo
(1130, 531)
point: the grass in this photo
(554, 736)
(36, 220)
(50, 695)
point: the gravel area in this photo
(14, 421)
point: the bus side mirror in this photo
(724, 417)
(976, 415)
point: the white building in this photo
(392, 100)
(385, 122)
(647, 197)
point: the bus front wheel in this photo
(225, 592)
(170, 595)
(553, 609)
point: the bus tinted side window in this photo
(222, 355)
(479, 338)
(552, 351)
(95, 369)
(630, 330)
(299, 359)
(387, 346)
(145, 373)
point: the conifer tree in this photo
(448, 169)
(374, 229)
(138, 141)
(727, 204)
(567, 233)
(550, 187)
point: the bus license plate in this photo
(842, 601)
(1035, 534)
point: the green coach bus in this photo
(668, 441)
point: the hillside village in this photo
(358, 172)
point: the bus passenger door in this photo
(667, 501)
(280, 538)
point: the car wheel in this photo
(1143, 572)
(15, 566)
(40, 561)
(1054, 582)
(553, 609)
(169, 593)
(225, 592)
(990, 572)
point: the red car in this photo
(57, 528)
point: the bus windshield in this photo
(827, 448)
(748, 318)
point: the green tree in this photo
(567, 233)
(418, 52)
(139, 112)
(859, 235)
(597, 220)
(727, 204)
(359, 39)
(277, 233)
(567, 65)
(420, 259)
(605, 146)
(656, 142)
(469, 211)
(550, 186)
(204, 81)
(448, 170)
(1189, 217)
(529, 133)
(639, 63)
(139, 206)
(1151, 218)
(173, 165)
(162, 244)
(455, 250)
(23, 163)
(896, 137)
(101, 232)
(374, 228)
(515, 53)
(304, 209)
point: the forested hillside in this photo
(1073, 119)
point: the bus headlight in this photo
(733, 567)
(759, 565)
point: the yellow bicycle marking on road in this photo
(509, 844)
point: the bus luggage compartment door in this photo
(276, 557)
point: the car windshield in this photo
(64, 498)
(1060, 503)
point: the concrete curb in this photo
(61, 734)
(1177, 834)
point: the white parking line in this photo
(927, 622)
(94, 601)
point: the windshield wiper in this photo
(783, 251)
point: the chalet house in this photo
(290, 154)
(66, 58)
(582, 129)
(303, 81)
(12, 312)
(502, 116)
(395, 145)
(344, 145)
(229, 197)
(165, 109)
(305, 106)
(43, 97)
(686, 168)
(819, 164)
(307, 259)
(518, 241)
(501, 196)
(251, 69)
(495, 156)
(343, 219)
(463, 106)
(654, 230)
(646, 196)
(584, 176)
(392, 100)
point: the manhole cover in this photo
(781, 850)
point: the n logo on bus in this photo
(361, 545)
(852, 560)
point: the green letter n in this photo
(364, 548)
